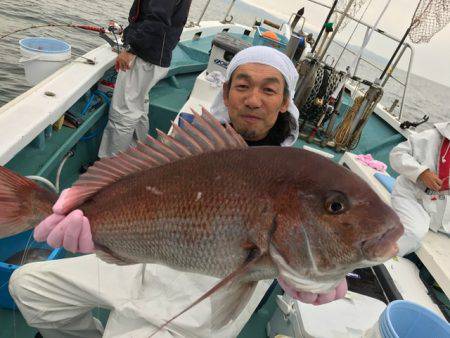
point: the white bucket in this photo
(41, 57)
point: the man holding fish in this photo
(219, 219)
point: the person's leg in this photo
(122, 325)
(57, 296)
(156, 73)
(164, 293)
(127, 108)
(413, 216)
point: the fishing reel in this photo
(114, 27)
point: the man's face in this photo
(254, 99)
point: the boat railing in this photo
(226, 18)
(388, 75)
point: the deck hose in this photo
(105, 98)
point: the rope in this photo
(356, 135)
(344, 128)
(350, 130)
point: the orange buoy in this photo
(270, 35)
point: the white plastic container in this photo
(405, 319)
(42, 56)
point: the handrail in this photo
(367, 61)
(203, 13)
(225, 20)
(359, 21)
(389, 74)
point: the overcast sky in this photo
(431, 60)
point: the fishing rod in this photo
(112, 27)
(414, 21)
(85, 27)
(330, 13)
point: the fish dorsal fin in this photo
(205, 134)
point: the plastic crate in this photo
(260, 40)
(10, 246)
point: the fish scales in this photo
(195, 213)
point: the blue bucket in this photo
(404, 319)
(44, 45)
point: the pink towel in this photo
(369, 161)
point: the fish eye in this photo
(336, 207)
(336, 203)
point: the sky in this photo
(431, 60)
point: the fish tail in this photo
(23, 203)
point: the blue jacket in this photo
(155, 27)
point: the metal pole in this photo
(351, 35)
(389, 74)
(327, 45)
(203, 13)
(368, 62)
(323, 27)
(228, 11)
(406, 82)
(395, 53)
(360, 55)
(297, 17)
(368, 35)
(359, 21)
(413, 21)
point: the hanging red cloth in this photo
(444, 164)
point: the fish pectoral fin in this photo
(108, 256)
(248, 245)
(232, 279)
(229, 302)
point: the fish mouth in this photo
(305, 294)
(384, 246)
